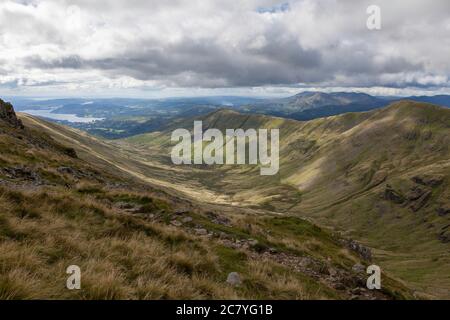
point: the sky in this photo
(147, 48)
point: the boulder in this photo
(186, 219)
(234, 279)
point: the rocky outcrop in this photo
(421, 201)
(361, 250)
(428, 180)
(393, 195)
(443, 210)
(8, 115)
(444, 234)
(22, 173)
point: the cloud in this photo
(82, 44)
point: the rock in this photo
(215, 218)
(186, 219)
(428, 180)
(176, 223)
(21, 172)
(234, 279)
(70, 152)
(8, 115)
(67, 170)
(415, 193)
(332, 272)
(421, 201)
(359, 268)
(252, 242)
(223, 235)
(357, 291)
(443, 210)
(392, 195)
(361, 250)
(201, 232)
(444, 236)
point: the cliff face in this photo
(8, 115)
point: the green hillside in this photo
(63, 201)
(381, 177)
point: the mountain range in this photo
(123, 117)
(353, 189)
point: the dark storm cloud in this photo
(204, 60)
(69, 62)
(218, 44)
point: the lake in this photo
(47, 113)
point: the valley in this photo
(343, 172)
(67, 198)
(380, 177)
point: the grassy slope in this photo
(336, 170)
(120, 232)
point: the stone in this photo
(186, 219)
(201, 232)
(363, 251)
(176, 223)
(234, 279)
(332, 272)
(70, 152)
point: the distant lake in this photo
(47, 113)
